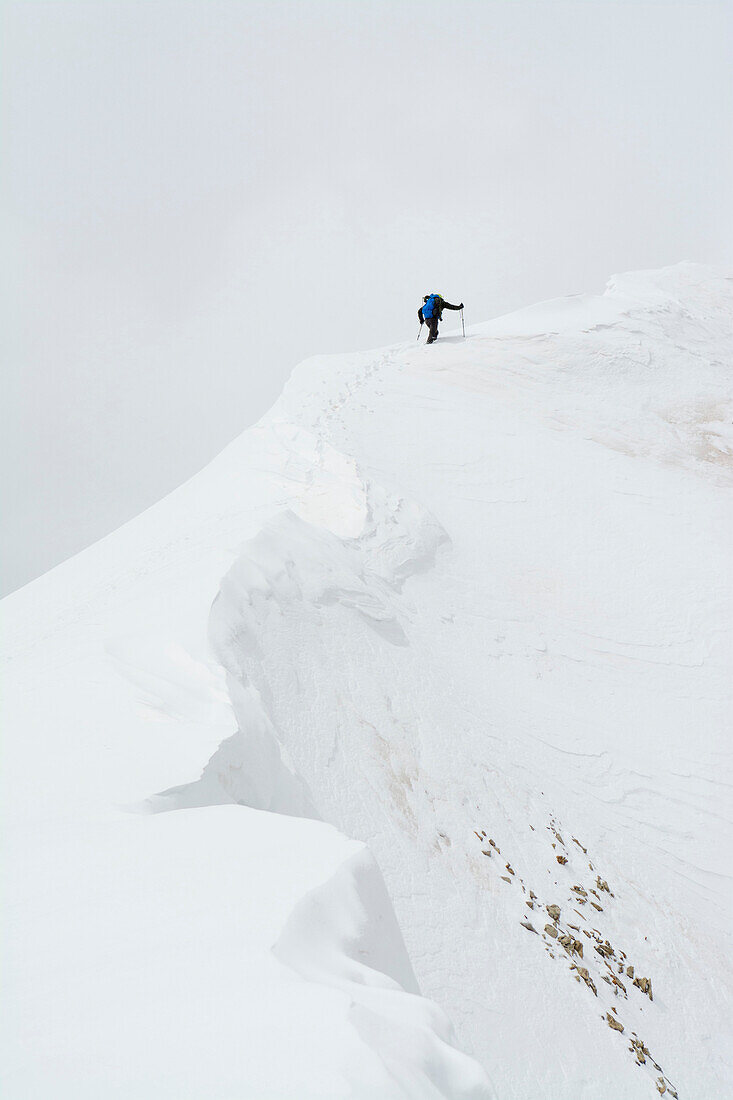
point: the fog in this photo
(197, 195)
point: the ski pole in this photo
(463, 326)
(419, 331)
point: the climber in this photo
(431, 311)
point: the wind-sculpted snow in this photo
(472, 605)
(292, 577)
(345, 937)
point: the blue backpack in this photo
(432, 307)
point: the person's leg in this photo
(432, 330)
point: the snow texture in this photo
(460, 618)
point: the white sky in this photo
(197, 195)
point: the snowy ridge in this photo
(643, 369)
(471, 605)
(290, 571)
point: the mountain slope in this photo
(471, 604)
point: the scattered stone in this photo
(493, 845)
(645, 985)
(582, 970)
(597, 907)
(614, 1023)
(637, 1047)
(529, 904)
(575, 841)
(554, 911)
(483, 832)
(551, 930)
(506, 879)
(661, 1087)
(604, 949)
(477, 834)
(629, 971)
(602, 884)
(571, 945)
(579, 891)
(509, 869)
(529, 927)
(561, 859)
(486, 852)
(533, 895)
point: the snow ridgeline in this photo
(282, 581)
(194, 997)
(344, 934)
(475, 613)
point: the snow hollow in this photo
(389, 756)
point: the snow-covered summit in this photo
(461, 616)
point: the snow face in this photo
(471, 605)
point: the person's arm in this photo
(420, 316)
(447, 305)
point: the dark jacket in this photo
(439, 307)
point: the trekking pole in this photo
(419, 331)
(463, 326)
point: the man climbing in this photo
(431, 312)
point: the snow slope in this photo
(471, 606)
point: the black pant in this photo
(432, 323)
